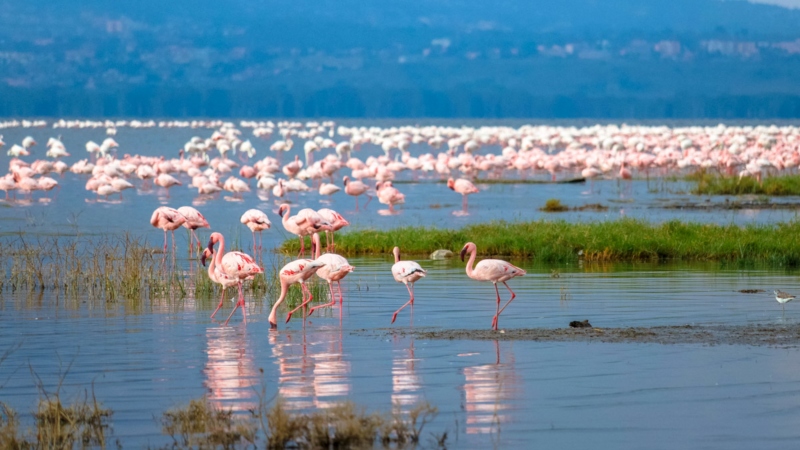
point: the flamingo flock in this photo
(223, 162)
(226, 163)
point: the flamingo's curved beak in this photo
(281, 211)
(203, 259)
(463, 252)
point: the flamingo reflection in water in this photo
(313, 372)
(489, 391)
(231, 376)
(406, 383)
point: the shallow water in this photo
(505, 394)
(145, 358)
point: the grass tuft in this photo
(554, 205)
(201, 425)
(708, 184)
(563, 242)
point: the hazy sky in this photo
(787, 3)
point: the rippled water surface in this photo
(146, 357)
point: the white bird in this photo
(406, 272)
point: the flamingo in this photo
(297, 271)
(166, 181)
(336, 221)
(237, 265)
(463, 187)
(218, 276)
(355, 188)
(304, 223)
(168, 219)
(389, 195)
(406, 272)
(194, 220)
(257, 221)
(336, 267)
(494, 270)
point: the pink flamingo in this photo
(257, 221)
(355, 188)
(236, 265)
(218, 276)
(389, 195)
(335, 269)
(303, 224)
(166, 181)
(297, 271)
(168, 219)
(406, 272)
(194, 220)
(494, 270)
(336, 221)
(463, 187)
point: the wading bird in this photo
(237, 265)
(406, 272)
(494, 270)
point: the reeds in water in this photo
(708, 184)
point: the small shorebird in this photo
(783, 297)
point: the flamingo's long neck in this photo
(274, 313)
(315, 242)
(285, 218)
(470, 262)
(396, 257)
(218, 256)
(212, 268)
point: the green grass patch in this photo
(563, 242)
(708, 184)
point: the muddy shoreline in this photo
(757, 335)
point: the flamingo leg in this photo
(239, 303)
(356, 200)
(221, 299)
(254, 242)
(341, 298)
(331, 303)
(302, 247)
(464, 202)
(497, 309)
(513, 296)
(165, 241)
(409, 302)
(302, 305)
(369, 199)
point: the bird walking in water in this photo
(463, 187)
(168, 219)
(335, 269)
(494, 270)
(297, 271)
(194, 220)
(302, 224)
(355, 188)
(216, 275)
(257, 221)
(237, 265)
(406, 272)
(336, 222)
(783, 298)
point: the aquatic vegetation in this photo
(564, 242)
(554, 205)
(708, 184)
(201, 425)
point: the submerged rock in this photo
(441, 254)
(580, 324)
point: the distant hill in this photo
(609, 58)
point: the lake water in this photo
(519, 394)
